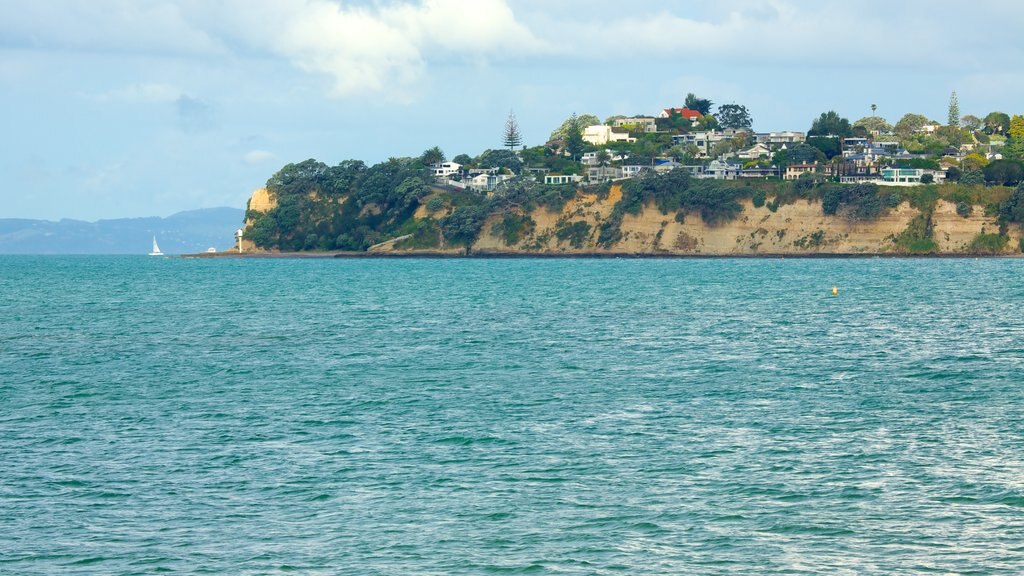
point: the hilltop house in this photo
(645, 124)
(599, 135)
(445, 169)
(691, 115)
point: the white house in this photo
(562, 179)
(445, 169)
(754, 152)
(599, 135)
(910, 176)
(719, 170)
(775, 139)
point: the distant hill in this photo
(185, 232)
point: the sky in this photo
(124, 108)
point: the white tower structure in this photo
(238, 238)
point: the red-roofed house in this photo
(691, 115)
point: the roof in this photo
(684, 112)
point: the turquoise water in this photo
(511, 416)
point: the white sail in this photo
(156, 249)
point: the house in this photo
(910, 176)
(445, 169)
(704, 141)
(756, 151)
(662, 165)
(794, 171)
(558, 179)
(691, 115)
(774, 140)
(599, 135)
(853, 172)
(603, 173)
(760, 172)
(634, 170)
(929, 128)
(719, 170)
(486, 182)
(645, 124)
(591, 158)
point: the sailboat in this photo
(156, 249)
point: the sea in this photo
(523, 416)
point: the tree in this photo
(971, 122)
(432, 156)
(874, 107)
(1016, 130)
(830, 147)
(707, 122)
(973, 161)
(582, 121)
(513, 138)
(574, 137)
(702, 105)
(1004, 172)
(910, 123)
(997, 122)
(873, 124)
(734, 116)
(927, 179)
(500, 159)
(830, 124)
(954, 110)
(603, 158)
(463, 160)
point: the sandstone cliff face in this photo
(260, 201)
(799, 228)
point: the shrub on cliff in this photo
(1012, 210)
(463, 226)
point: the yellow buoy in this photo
(835, 291)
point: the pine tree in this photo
(954, 110)
(513, 138)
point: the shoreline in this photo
(485, 255)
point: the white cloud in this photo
(258, 156)
(386, 48)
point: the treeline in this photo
(350, 206)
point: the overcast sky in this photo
(116, 108)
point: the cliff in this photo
(797, 228)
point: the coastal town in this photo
(723, 146)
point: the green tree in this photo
(702, 105)
(512, 137)
(954, 111)
(873, 124)
(971, 122)
(829, 146)
(432, 156)
(582, 121)
(734, 116)
(463, 160)
(500, 159)
(830, 124)
(910, 123)
(1012, 210)
(997, 123)
(1004, 172)
(574, 143)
